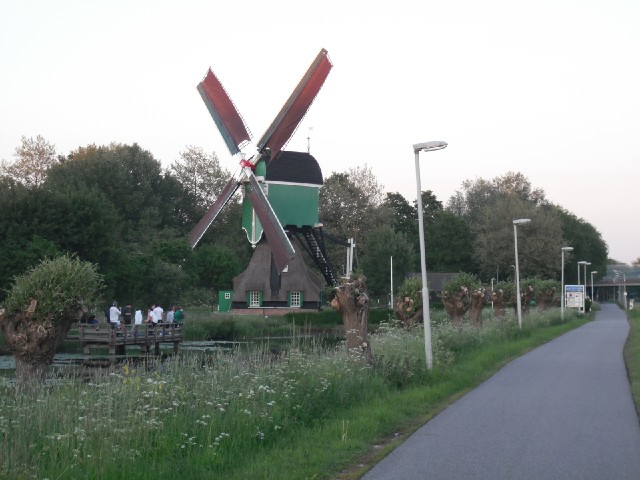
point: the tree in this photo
(214, 266)
(34, 158)
(479, 195)
(349, 206)
(539, 242)
(402, 215)
(449, 244)
(408, 302)
(201, 175)
(383, 243)
(352, 301)
(448, 238)
(40, 223)
(129, 177)
(457, 295)
(586, 241)
(40, 308)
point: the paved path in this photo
(562, 411)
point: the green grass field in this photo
(632, 355)
(305, 412)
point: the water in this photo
(73, 363)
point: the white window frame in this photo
(227, 296)
(254, 298)
(296, 300)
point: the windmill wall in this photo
(261, 276)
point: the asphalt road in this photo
(562, 411)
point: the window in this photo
(255, 298)
(227, 296)
(295, 299)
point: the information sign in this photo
(574, 296)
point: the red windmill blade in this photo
(279, 243)
(296, 107)
(225, 115)
(199, 230)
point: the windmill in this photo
(268, 178)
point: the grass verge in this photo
(632, 355)
(354, 439)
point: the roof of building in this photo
(294, 167)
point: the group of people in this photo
(155, 315)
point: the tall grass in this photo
(632, 355)
(233, 415)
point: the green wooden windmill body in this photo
(292, 184)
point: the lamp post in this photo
(624, 282)
(592, 273)
(517, 222)
(584, 292)
(426, 319)
(564, 249)
(584, 297)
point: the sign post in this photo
(574, 297)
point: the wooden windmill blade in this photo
(199, 230)
(227, 118)
(294, 110)
(279, 243)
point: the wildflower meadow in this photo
(227, 415)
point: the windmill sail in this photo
(198, 231)
(279, 243)
(294, 110)
(224, 113)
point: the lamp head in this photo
(521, 221)
(567, 249)
(429, 146)
(594, 272)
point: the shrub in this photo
(61, 285)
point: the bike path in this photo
(562, 411)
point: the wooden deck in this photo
(118, 338)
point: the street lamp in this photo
(584, 297)
(417, 148)
(584, 292)
(592, 273)
(564, 249)
(519, 221)
(624, 281)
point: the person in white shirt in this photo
(114, 314)
(170, 315)
(151, 317)
(137, 320)
(159, 312)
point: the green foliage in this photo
(383, 243)
(214, 266)
(508, 291)
(587, 244)
(449, 243)
(411, 288)
(60, 286)
(468, 280)
(349, 206)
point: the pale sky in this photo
(548, 88)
